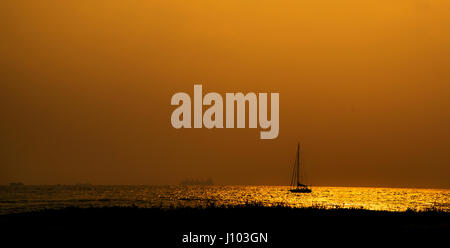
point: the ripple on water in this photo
(30, 198)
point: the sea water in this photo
(33, 198)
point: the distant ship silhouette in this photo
(296, 185)
(205, 182)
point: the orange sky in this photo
(364, 85)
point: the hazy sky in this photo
(364, 86)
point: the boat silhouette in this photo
(296, 179)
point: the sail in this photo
(296, 180)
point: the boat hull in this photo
(301, 190)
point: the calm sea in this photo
(31, 198)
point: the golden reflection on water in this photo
(32, 198)
(390, 199)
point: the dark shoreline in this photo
(284, 225)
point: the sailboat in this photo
(296, 183)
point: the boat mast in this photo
(298, 164)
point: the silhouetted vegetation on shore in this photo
(284, 224)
